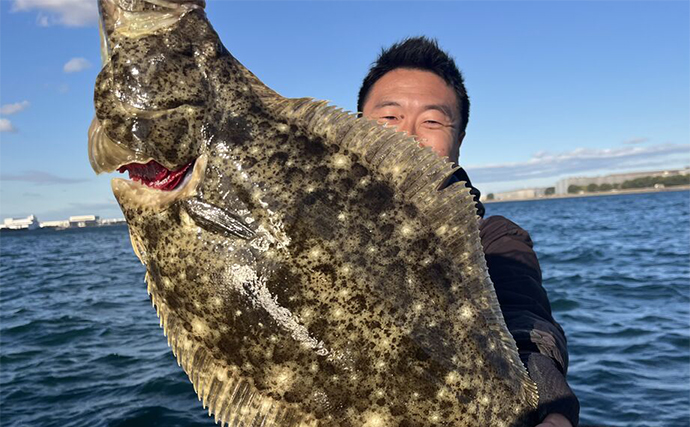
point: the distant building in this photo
(28, 223)
(112, 221)
(526, 193)
(84, 221)
(55, 224)
(563, 184)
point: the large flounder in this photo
(305, 265)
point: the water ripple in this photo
(81, 346)
(617, 270)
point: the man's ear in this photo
(460, 138)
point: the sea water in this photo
(80, 344)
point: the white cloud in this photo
(70, 13)
(581, 160)
(76, 65)
(43, 20)
(8, 109)
(40, 178)
(6, 126)
(636, 141)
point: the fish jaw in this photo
(132, 195)
(105, 155)
(141, 203)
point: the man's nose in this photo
(408, 126)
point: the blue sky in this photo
(557, 88)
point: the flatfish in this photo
(308, 267)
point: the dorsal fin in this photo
(420, 175)
(258, 87)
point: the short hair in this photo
(420, 53)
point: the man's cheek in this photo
(441, 146)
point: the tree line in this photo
(643, 182)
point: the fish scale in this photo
(312, 270)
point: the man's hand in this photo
(555, 420)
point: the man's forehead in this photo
(423, 87)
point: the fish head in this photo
(152, 96)
(157, 116)
(158, 103)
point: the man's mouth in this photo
(155, 175)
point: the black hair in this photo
(419, 53)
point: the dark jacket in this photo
(516, 274)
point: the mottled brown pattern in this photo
(361, 297)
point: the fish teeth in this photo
(139, 195)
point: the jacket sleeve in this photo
(516, 274)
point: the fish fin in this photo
(421, 176)
(216, 220)
(230, 398)
(258, 87)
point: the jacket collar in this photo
(461, 175)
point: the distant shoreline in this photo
(596, 194)
(5, 231)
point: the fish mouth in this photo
(150, 184)
(156, 176)
(153, 187)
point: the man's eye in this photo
(432, 124)
(388, 118)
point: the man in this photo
(417, 87)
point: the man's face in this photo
(421, 104)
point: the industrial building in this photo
(28, 223)
(563, 184)
(78, 221)
(84, 221)
(55, 224)
(526, 193)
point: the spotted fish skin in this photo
(310, 271)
